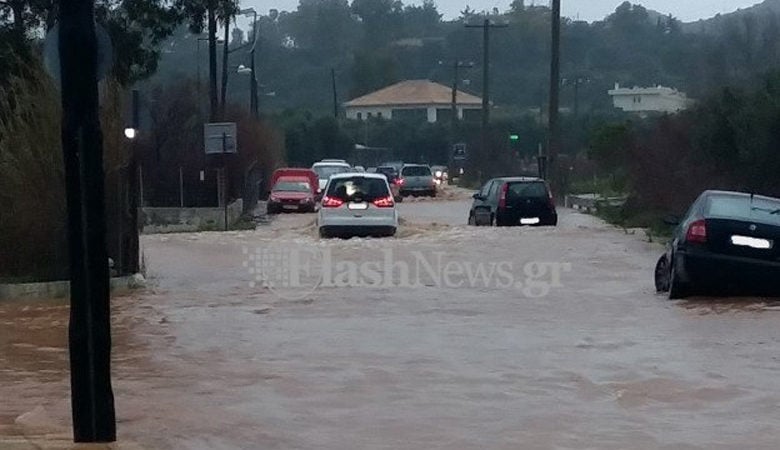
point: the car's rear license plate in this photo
(290, 206)
(358, 206)
(529, 221)
(757, 243)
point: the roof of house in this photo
(414, 92)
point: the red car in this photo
(297, 172)
(291, 194)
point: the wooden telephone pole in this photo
(486, 27)
(554, 138)
(82, 144)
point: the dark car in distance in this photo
(510, 201)
(726, 240)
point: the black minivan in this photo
(513, 201)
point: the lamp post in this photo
(576, 82)
(197, 58)
(456, 65)
(253, 103)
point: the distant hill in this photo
(716, 25)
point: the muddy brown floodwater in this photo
(203, 360)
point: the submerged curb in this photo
(61, 289)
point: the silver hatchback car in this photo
(357, 204)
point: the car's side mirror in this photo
(672, 220)
(477, 196)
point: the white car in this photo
(357, 204)
(328, 167)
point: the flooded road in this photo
(591, 359)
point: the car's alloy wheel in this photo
(662, 275)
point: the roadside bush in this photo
(729, 141)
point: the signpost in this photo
(220, 139)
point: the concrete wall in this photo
(177, 220)
(61, 289)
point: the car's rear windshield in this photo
(358, 188)
(738, 207)
(326, 171)
(292, 186)
(416, 171)
(533, 189)
(390, 171)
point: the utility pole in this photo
(89, 333)
(456, 65)
(212, 24)
(335, 93)
(253, 103)
(486, 26)
(554, 139)
(225, 56)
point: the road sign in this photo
(220, 138)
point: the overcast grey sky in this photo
(686, 10)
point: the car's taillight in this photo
(384, 202)
(331, 202)
(697, 232)
(273, 198)
(399, 181)
(502, 197)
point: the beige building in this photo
(412, 99)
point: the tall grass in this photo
(32, 195)
(33, 212)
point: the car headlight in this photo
(438, 174)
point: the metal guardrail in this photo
(590, 203)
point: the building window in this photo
(369, 115)
(379, 114)
(360, 116)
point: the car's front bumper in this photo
(290, 206)
(417, 189)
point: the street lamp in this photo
(130, 133)
(197, 55)
(456, 65)
(253, 75)
(576, 82)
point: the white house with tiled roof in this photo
(414, 99)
